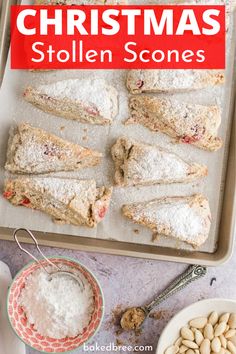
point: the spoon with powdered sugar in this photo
(58, 271)
(133, 318)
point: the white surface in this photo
(198, 309)
(115, 226)
(9, 343)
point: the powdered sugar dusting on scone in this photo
(138, 163)
(158, 164)
(90, 92)
(185, 218)
(33, 150)
(36, 154)
(66, 190)
(172, 80)
(178, 216)
(186, 122)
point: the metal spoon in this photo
(52, 273)
(134, 317)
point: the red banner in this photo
(118, 37)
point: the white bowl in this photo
(198, 309)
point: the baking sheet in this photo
(115, 226)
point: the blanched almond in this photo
(173, 349)
(190, 351)
(224, 317)
(220, 328)
(232, 321)
(205, 347)
(190, 344)
(186, 333)
(230, 333)
(216, 345)
(208, 331)
(222, 351)
(198, 337)
(183, 349)
(233, 340)
(223, 341)
(231, 347)
(198, 322)
(213, 318)
(178, 342)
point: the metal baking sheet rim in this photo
(227, 221)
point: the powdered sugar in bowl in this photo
(54, 316)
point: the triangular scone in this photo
(172, 80)
(91, 101)
(69, 201)
(185, 122)
(184, 218)
(34, 151)
(143, 164)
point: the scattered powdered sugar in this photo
(171, 80)
(180, 217)
(90, 92)
(155, 164)
(43, 155)
(57, 308)
(187, 116)
(64, 190)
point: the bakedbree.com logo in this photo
(113, 348)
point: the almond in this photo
(223, 341)
(186, 333)
(198, 337)
(216, 345)
(198, 322)
(232, 321)
(220, 328)
(173, 349)
(230, 333)
(213, 318)
(183, 349)
(205, 347)
(178, 342)
(224, 317)
(208, 331)
(190, 344)
(231, 347)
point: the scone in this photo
(172, 80)
(33, 151)
(69, 201)
(91, 101)
(186, 219)
(143, 164)
(185, 122)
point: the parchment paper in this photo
(13, 109)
